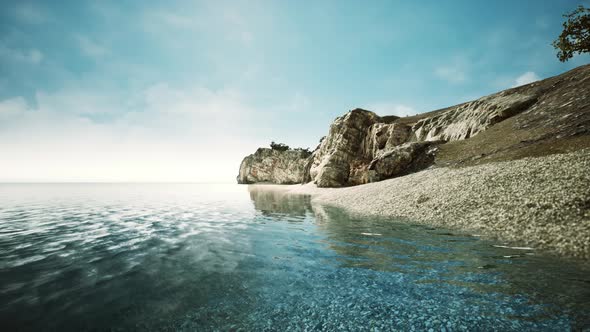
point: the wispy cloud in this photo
(298, 103)
(199, 103)
(227, 22)
(12, 106)
(238, 27)
(454, 72)
(30, 14)
(90, 47)
(451, 74)
(77, 102)
(170, 19)
(32, 56)
(542, 22)
(392, 109)
(526, 78)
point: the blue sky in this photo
(182, 90)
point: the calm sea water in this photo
(77, 257)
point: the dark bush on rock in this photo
(279, 146)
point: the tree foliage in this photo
(575, 37)
(279, 146)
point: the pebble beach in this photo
(542, 202)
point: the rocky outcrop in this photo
(337, 153)
(274, 166)
(362, 147)
(466, 120)
(384, 136)
(548, 116)
(401, 160)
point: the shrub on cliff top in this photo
(279, 146)
(284, 147)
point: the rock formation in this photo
(362, 147)
(543, 117)
(274, 166)
(343, 149)
(401, 160)
(466, 120)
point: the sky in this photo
(183, 90)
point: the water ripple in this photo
(200, 257)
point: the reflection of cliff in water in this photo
(438, 256)
(273, 202)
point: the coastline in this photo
(543, 202)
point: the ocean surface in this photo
(196, 257)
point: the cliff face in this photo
(273, 166)
(343, 151)
(469, 119)
(361, 146)
(544, 117)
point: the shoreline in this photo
(542, 202)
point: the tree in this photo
(279, 146)
(575, 37)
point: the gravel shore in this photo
(541, 202)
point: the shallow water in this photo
(218, 257)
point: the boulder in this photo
(401, 160)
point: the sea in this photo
(223, 257)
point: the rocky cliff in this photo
(544, 117)
(274, 166)
(469, 119)
(362, 147)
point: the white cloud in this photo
(392, 109)
(32, 56)
(160, 134)
(222, 106)
(90, 47)
(75, 101)
(12, 106)
(526, 78)
(225, 22)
